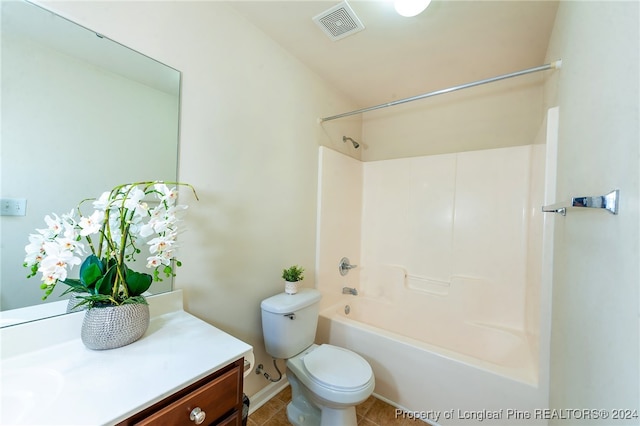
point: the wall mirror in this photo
(80, 114)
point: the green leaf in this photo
(91, 270)
(105, 284)
(137, 282)
(90, 275)
(136, 299)
(99, 300)
(293, 273)
(74, 286)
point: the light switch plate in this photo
(13, 206)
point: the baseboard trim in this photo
(400, 407)
(266, 393)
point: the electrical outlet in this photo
(13, 207)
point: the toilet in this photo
(327, 381)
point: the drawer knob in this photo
(197, 415)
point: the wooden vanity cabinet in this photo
(218, 396)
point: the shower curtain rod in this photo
(555, 64)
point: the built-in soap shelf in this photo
(427, 285)
(392, 276)
(608, 202)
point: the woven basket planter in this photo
(74, 300)
(112, 327)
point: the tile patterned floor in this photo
(372, 412)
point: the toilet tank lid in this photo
(284, 303)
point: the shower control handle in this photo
(344, 267)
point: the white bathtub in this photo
(444, 372)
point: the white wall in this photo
(249, 144)
(501, 114)
(595, 331)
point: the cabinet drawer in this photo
(214, 398)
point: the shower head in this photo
(356, 145)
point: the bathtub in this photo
(461, 374)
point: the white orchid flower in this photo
(69, 219)
(50, 277)
(58, 260)
(154, 261)
(133, 198)
(160, 244)
(71, 245)
(72, 233)
(167, 255)
(91, 224)
(145, 230)
(102, 202)
(54, 226)
(157, 222)
(142, 211)
(160, 225)
(161, 258)
(35, 249)
(166, 195)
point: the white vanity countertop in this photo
(67, 384)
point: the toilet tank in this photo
(289, 322)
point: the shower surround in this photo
(449, 248)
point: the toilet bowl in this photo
(327, 381)
(333, 379)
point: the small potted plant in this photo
(292, 276)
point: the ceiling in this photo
(452, 42)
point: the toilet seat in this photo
(337, 368)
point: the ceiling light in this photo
(410, 8)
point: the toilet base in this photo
(343, 417)
(328, 417)
(298, 417)
(302, 411)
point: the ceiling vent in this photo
(339, 22)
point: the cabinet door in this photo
(212, 400)
(234, 419)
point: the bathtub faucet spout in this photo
(349, 290)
